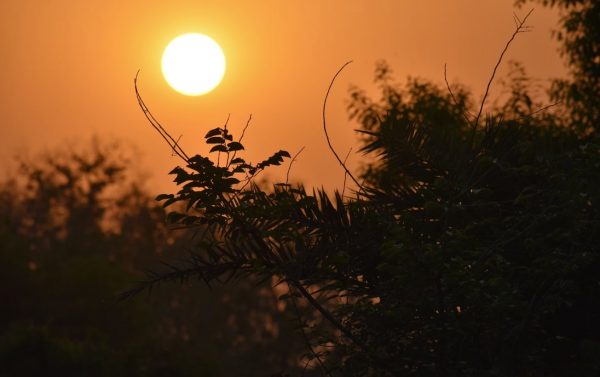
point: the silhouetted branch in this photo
(454, 98)
(156, 124)
(520, 28)
(346, 174)
(325, 313)
(536, 111)
(325, 126)
(206, 273)
(287, 176)
(179, 138)
(241, 136)
(306, 340)
(245, 127)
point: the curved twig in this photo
(156, 124)
(346, 174)
(287, 175)
(454, 98)
(325, 126)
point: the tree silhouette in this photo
(579, 34)
(470, 248)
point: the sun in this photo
(193, 64)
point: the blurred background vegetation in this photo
(76, 229)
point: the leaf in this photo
(235, 146)
(219, 148)
(176, 170)
(170, 201)
(238, 160)
(213, 132)
(163, 197)
(275, 159)
(190, 220)
(181, 175)
(215, 140)
(231, 181)
(174, 217)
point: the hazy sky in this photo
(67, 69)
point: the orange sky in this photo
(67, 68)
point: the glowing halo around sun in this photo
(193, 64)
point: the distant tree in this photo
(579, 34)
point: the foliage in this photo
(579, 34)
(75, 226)
(469, 249)
(495, 244)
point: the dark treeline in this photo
(466, 244)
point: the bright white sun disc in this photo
(193, 64)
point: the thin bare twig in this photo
(246, 126)
(287, 175)
(345, 174)
(520, 28)
(454, 98)
(325, 126)
(250, 178)
(240, 139)
(179, 138)
(536, 112)
(516, 19)
(156, 124)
